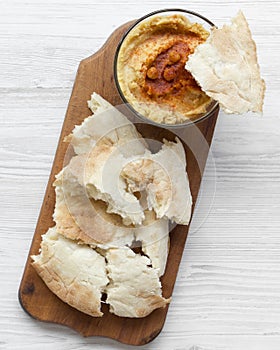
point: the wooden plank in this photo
(96, 74)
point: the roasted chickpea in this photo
(169, 74)
(174, 56)
(152, 73)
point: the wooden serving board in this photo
(96, 74)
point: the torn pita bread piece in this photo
(107, 123)
(134, 289)
(83, 219)
(75, 273)
(163, 175)
(154, 237)
(226, 68)
(102, 171)
(108, 138)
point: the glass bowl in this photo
(193, 18)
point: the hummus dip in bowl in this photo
(149, 68)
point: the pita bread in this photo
(86, 221)
(154, 237)
(226, 68)
(83, 219)
(164, 177)
(90, 216)
(134, 289)
(106, 123)
(108, 138)
(103, 168)
(75, 273)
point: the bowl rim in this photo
(128, 105)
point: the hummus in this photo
(151, 69)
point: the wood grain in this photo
(96, 74)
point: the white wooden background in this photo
(227, 294)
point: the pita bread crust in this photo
(75, 273)
(164, 176)
(226, 68)
(106, 123)
(134, 289)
